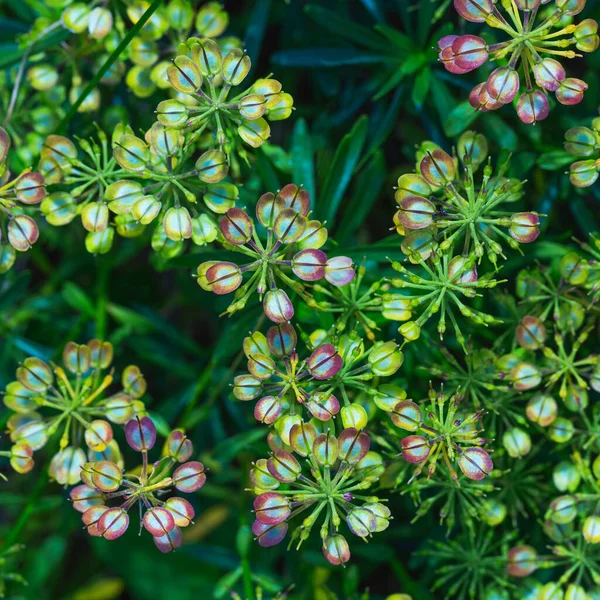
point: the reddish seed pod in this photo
(141, 434)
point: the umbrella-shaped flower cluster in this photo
(284, 383)
(18, 230)
(330, 489)
(292, 242)
(201, 72)
(531, 55)
(104, 481)
(455, 210)
(442, 434)
(73, 402)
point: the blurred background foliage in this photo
(367, 89)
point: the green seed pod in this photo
(493, 512)
(165, 142)
(128, 227)
(561, 431)
(580, 141)
(122, 195)
(386, 359)
(100, 242)
(159, 75)
(180, 14)
(566, 477)
(131, 153)
(517, 442)
(42, 77)
(354, 416)
(139, 81)
(91, 102)
(410, 330)
(584, 173)
(236, 65)
(146, 209)
(143, 53)
(475, 146)
(94, 216)
(254, 133)
(212, 166)
(591, 533)
(574, 268)
(75, 17)
(178, 224)
(388, 396)
(204, 230)
(100, 23)
(211, 20)
(279, 107)
(253, 106)
(221, 197)
(172, 113)
(207, 55)
(7, 258)
(184, 76)
(163, 245)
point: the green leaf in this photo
(341, 169)
(303, 164)
(421, 87)
(255, 32)
(327, 57)
(367, 188)
(346, 28)
(499, 131)
(554, 160)
(460, 118)
(404, 42)
(76, 298)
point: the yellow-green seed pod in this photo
(410, 330)
(139, 81)
(143, 52)
(100, 22)
(61, 150)
(91, 102)
(172, 113)
(208, 57)
(253, 106)
(204, 230)
(212, 166)
(164, 141)
(178, 224)
(180, 14)
(42, 77)
(254, 133)
(184, 76)
(279, 107)
(266, 87)
(236, 65)
(155, 27)
(75, 17)
(220, 197)
(284, 425)
(163, 245)
(94, 216)
(354, 416)
(211, 20)
(122, 195)
(591, 530)
(386, 359)
(146, 209)
(128, 227)
(100, 242)
(132, 153)
(7, 257)
(159, 75)
(59, 208)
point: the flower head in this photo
(47, 399)
(104, 481)
(339, 469)
(532, 54)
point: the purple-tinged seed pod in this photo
(353, 444)
(158, 521)
(522, 561)
(104, 475)
(475, 11)
(283, 466)
(21, 458)
(289, 226)
(182, 511)
(84, 497)
(324, 362)
(415, 449)
(415, 212)
(571, 91)
(271, 508)
(549, 74)
(302, 438)
(261, 366)
(23, 232)
(533, 107)
(223, 278)
(309, 265)
(247, 387)
(268, 208)
(336, 549)
(530, 333)
(189, 477)
(525, 227)
(282, 339)
(503, 84)
(30, 189)
(437, 168)
(361, 521)
(141, 434)
(236, 226)
(470, 52)
(323, 406)
(339, 271)
(326, 449)
(268, 409)
(113, 523)
(91, 517)
(277, 306)
(475, 463)
(407, 415)
(179, 447)
(98, 435)
(269, 535)
(170, 541)
(295, 197)
(133, 381)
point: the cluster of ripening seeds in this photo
(583, 272)
(293, 242)
(285, 385)
(328, 483)
(72, 402)
(538, 37)
(18, 230)
(98, 30)
(105, 481)
(584, 143)
(202, 73)
(438, 213)
(446, 435)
